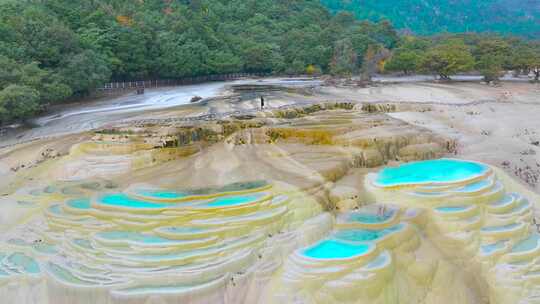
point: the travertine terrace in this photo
(304, 204)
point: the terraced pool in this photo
(500, 228)
(363, 235)
(229, 201)
(133, 237)
(431, 171)
(369, 218)
(335, 249)
(453, 209)
(527, 244)
(491, 248)
(123, 200)
(81, 204)
(162, 194)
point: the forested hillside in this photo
(53, 49)
(520, 17)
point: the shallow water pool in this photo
(233, 201)
(182, 230)
(527, 244)
(452, 209)
(82, 203)
(133, 236)
(162, 194)
(365, 234)
(369, 218)
(334, 249)
(21, 260)
(473, 187)
(431, 171)
(506, 200)
(490, 248)
(122, 200)
(56, 209)
(379, 261)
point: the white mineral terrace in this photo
(262, 242)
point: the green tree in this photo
(85, 71)
(524, 58)
(18, 102)
(184, 59)
(8, 71)
(263, 58)
(345, 60)
(490, 66)
(222, 62)
(404, 60)
(491, 55)
(413, 43)
(448, 58)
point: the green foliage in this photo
(65, 48)
(435, 16)
(84, 71)
(18, 101)
(404, 60)
(524, 57)
(448, 58)
(491, 56)
(490, 66)
(53, 50)
(345, 61)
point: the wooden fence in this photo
(115, 87)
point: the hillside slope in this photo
(521, 17)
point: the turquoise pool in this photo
(159, 194)
(28, 264)
(56, 209)
(357, 235)
(527, 244)
(133, 236)
(182, 230)
(431, 171)
(477, 186)
(233, 201)
(490, 248)
(452, 209)
(82, 203)
(369, 218)
(334, 249)
(122, 200)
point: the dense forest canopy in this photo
(518, 17)
(53, 50)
